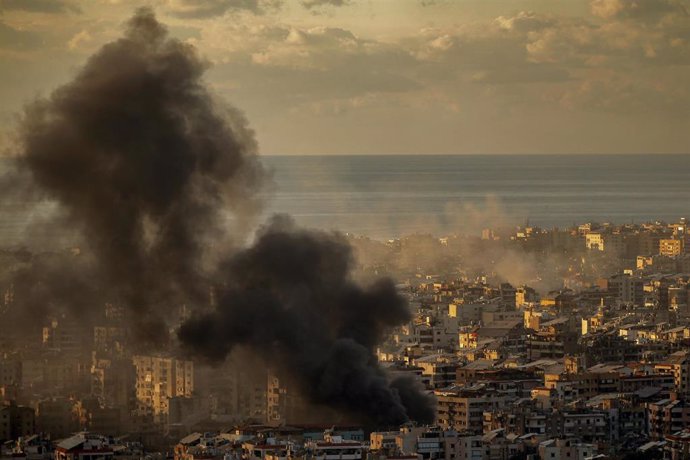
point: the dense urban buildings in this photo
(535, 343)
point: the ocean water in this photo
(389, 196)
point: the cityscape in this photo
(597, 366)
(344, 230)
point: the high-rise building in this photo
(157, 380)
(671, 247)
(16, 421)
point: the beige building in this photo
(678, 364)
(670, 247)
(594, 241)
(157, 380)
(612, 243)
(565, 449)
(462, 409)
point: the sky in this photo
(398, 76)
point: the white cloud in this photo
(79, 39)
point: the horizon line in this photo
(273, 154)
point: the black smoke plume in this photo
(145, 164)
(290, 298)
(143, 160)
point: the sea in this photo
(388, 196)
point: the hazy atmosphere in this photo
(400, 76)
(344, 230)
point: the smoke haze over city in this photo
(146, 183)
(344, 230)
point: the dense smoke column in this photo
(46, 286)
(144, 162)
(142, 159)
(290, 298)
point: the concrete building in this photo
(588, 426)
(462, 408)
(16, 421)
(677, 445)
(157, 380)
(594, 241)
(59, 417)
(671, 247)
(667, 416)
(113, 382)
(336, 448)
(565, 449)
(678, 364)
(88, 446)
(438, 371)
(627, 289)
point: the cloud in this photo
(203, 9)
(309, 67)
(497, 54)
(16, 39)
(39, 6)
(624, 95)
(526, 59)
(637, 9)
(508, 64)
(80, 38)
(309, 4)
(525, 21)
(529, 73)
(310, 48)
